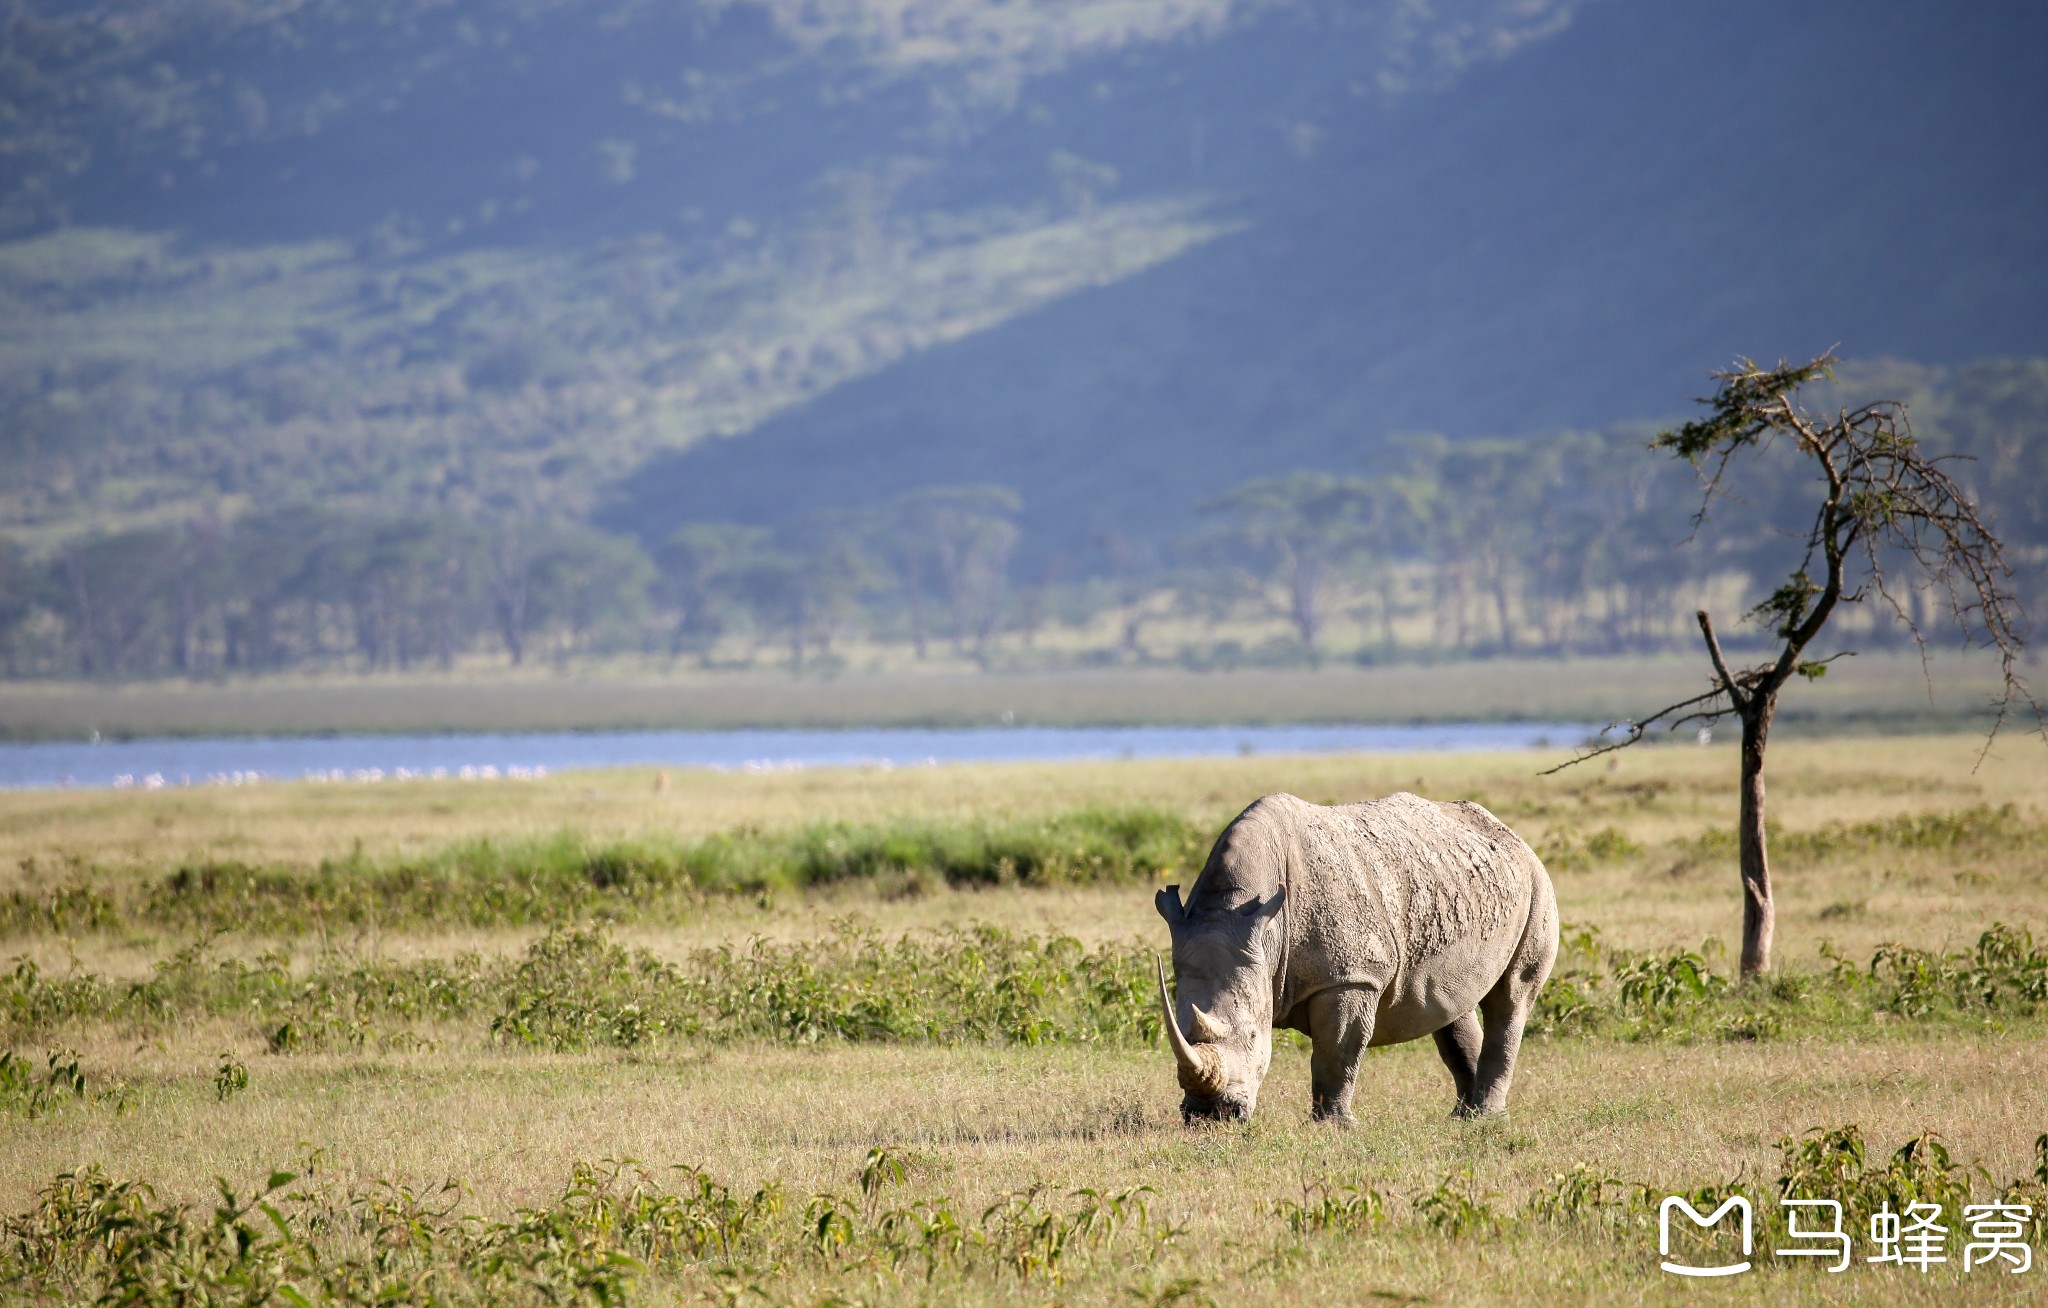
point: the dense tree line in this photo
(1566, 544)
(295, 589)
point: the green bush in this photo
(577, 987)
(90, 1238)
(486, 883)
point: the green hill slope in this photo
(519, 256)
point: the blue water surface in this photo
(151, 763)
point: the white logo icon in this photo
(1664, 1235)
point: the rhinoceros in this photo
(1358, 925)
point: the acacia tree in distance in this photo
(1306, 524)
(1883, 503)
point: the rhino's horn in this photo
(1205, 1029)
(1201, 1067)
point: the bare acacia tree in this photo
(1302, 528)
(970, 533)
(1884, 504)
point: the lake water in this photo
(153, 763)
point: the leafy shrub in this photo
(2004, 969)
(1658, 984)
(33, 1091)
(1351, 1209)
(230, 1078)
(1565, 850)
(1583, 1192)
(1458, 1206)
(1021, 1234)
(579, 988)
(1978, 829)
(484, 883)
(618, 1229)
(1599, 990)
(576, 987)
(31, 1001)
(1834, 1164)
(75, 906)
(92, 1239)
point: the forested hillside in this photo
(363, 333)
(1565, 239)
(1564, 544)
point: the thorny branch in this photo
(1728, 682)
(1883, 497)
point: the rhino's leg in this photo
(1340, 1023)
(1459, 1045)
(1506, 1009)
(1505, 1016)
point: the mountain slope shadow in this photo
(1569, 238)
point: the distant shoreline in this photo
(1875, 692)
(156, 763)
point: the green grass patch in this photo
(1979, 829)
(487, 883)
(1678, 995)
(578, 988)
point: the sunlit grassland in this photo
(1880, 840)
(1672, 889)
(973, 1124)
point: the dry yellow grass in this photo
(977, 1121)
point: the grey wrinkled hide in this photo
(1358, 925)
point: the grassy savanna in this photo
(916, 998)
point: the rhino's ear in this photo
(1167, 901)
(1260, 909)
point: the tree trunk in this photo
(1502, 607)
(1307, 622)
(913, 572)
(1034, 612)
(1305, 600)
(1461, 631)
(512, 619)
(1387, 613)
(444, 633)
(182, 639)
(81, 604)
(1758, 916)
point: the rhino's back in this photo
(1387, 885)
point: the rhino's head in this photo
(1222, 1033)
